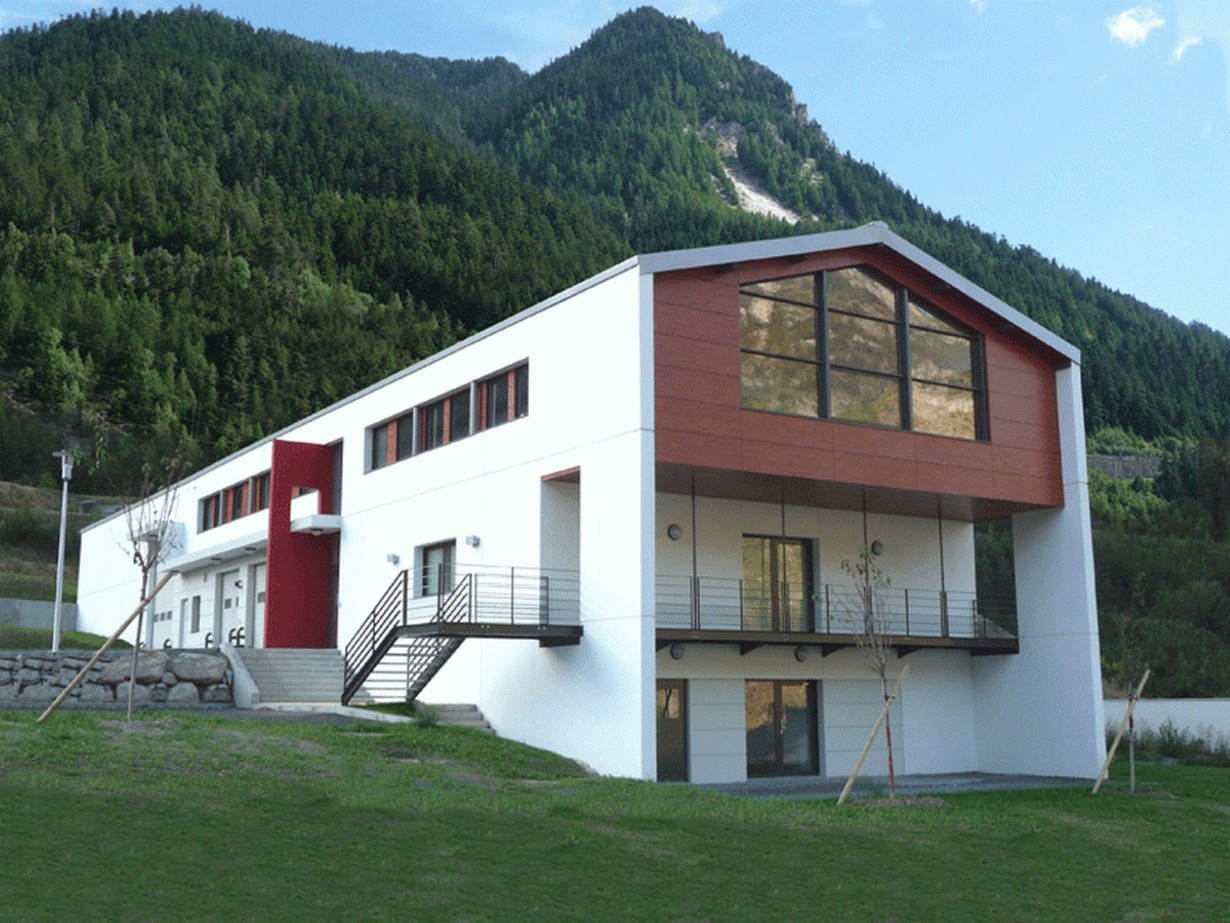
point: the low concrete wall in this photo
(34, 613)
(1205, 718)
(167, 677)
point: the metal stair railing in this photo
(377, 635)
(452, 594)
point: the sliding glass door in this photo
(777, 584)
(781, 728)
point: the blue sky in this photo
(1095, 131)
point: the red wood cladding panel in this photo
(699, 420)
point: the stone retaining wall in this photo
(170, 677)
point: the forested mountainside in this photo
(207, 231)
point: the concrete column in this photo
(1040, 711)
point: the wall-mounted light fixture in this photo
(877, 548)
(473, 541)
(801, 653)
(393, 559)
(673, 532)
(239, 584)
(677, 651)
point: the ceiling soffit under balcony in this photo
(763, 488)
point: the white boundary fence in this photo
(1202, 718)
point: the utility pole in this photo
(66, 475)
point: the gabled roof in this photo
(869, 235)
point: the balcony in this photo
(723, 610)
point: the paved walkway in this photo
(877, 786)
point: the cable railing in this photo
(730, 604)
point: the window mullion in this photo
(903, 354)
(822, 345)
(982, 425)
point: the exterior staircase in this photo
(406, 668)
(285, 675)
(405, 640)
(460, 715)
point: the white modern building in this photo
(622, 523)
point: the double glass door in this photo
(777, 584)
(781, 728)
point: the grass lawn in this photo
(189, 817)
(17, 638)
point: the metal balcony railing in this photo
(726, 604)
(459, 593)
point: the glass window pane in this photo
(944, 411)
(433, 425)
(859, 292)
(862, 343)
(497, 400)
(521, 387)
(405, 436)
(860, 398)
(380, 445)
(776, 327)
(757, 585)
(796, 288)
(779, 385)
(923, 316)
(798, 728)
(459, 416)
(761, 728)
(941, 357)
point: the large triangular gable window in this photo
(850, 345)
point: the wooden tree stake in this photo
(1110, 755)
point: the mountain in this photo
(207, 231)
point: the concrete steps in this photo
(294, 675)
(459, 715)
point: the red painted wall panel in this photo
(298, 565)
(699, 421)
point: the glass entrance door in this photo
(777, 584)
(781, 728)
(672, 731)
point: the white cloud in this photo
(1182, 48)
(1133, 26)
(979, 5)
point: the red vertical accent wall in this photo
(297, 569)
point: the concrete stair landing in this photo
(287, 675)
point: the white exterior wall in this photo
(590, 406)
(933, 728)
(1041, 710)
(933, 719)
(911, 557)
(109, 585)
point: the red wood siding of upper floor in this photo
(699, 420)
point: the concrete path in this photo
(877, 786)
